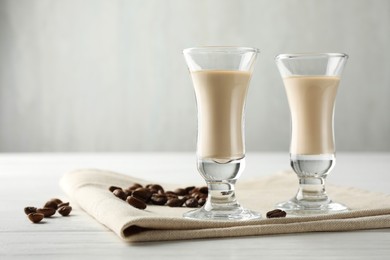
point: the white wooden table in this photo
(31, 179)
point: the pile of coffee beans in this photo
(49, 209)
(139, 196)
(276, 213)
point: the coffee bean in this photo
(189, 189)
(186, 197)
(137, 203)
(159, 199)
(204, 190)
(112, 188)
(175, 202)
(171, 194)
(56, 200)
(198, 195)
(157, 187)
(180, 192)
(128, 192)
(135, 186)
(35, 217)
(63, 204)
(276, 213)
(29, 210)
(47, 212)
(143, 194)
(153, 191)
(51, 204)
(201, 201)
(120, 194)
(191, 203)
(196, 189)
(65, 210)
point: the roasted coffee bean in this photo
(135, 186)
(128, 192)
(143, 194)
(51, 204)
(171, 194)
(137, 203)
(186, 197)
(159, 199)
(63, 204)
(194, 190)
(156, 187)
(276, 213)
(198, 195)
(175, 202)
(180, 192)
(204, 190)
(201, 201)
(112, 188)
(29, 210)
(120, 194)
(189, 189)
(269, 213)
(153, 191)
(191, 203)
(35, 217)
(47, 212)
(56, 200)
(65, 210)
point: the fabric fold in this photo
(89, 188)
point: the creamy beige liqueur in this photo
(221, 99)
(311, 100)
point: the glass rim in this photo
(285, 56)
(220, 49)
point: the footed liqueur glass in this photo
(311, 81)
(220, 77)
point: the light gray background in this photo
(109, 75)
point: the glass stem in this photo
(312, 190)
(221, 195)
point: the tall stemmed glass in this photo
(221, 76)
(311, 81)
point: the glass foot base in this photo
(298, 208)
(222, 214)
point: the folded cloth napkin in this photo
(89, 188)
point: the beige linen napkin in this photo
(89, 188)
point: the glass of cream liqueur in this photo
(220, 77)
(311, 81)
